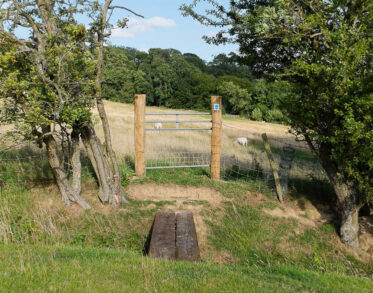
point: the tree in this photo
(238, 97)
(266, 98)
(228, 65)
(323, 51)
(50, 80)
(195, 60)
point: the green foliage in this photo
(257, 114)
(321, 52)
(275, 115)
(238, 97)
(50, 86)
(174, 80)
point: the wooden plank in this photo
(186, 237)
(162, 243)
(216, 104)
(273, 167)
(140, 135)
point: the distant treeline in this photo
(175, 80)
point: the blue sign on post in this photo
(216, 107)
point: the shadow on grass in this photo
(317, 191)
(145, 250)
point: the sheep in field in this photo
(242, 141)
(158, 125)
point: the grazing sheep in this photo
(242, 141)
(158, 125)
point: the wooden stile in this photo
(174, 236)
(162, 243)
(186, 237)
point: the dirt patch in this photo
(289, 212)
(47, 200)
(170, 192)
(254, 198)
(304, 211)
(186, 198)
(310, 216)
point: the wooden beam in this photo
(186, 237)
(174, 236)
(162, 243)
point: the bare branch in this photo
(125, 8)
(28, 18)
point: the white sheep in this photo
(242, 141)
(158, 125)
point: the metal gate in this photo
(140, 129)
(177, 122)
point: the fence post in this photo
(274, 167)
(140, 135)
(216, 103)
(287, 158)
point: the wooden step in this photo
(174, 236)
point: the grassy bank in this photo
(241, 227)
(68, 269)
(248, 241)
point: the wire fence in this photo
(246, 164)
(24, 165)
(243, 164)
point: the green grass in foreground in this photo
(66, 269)
(51, 248)
(253, 237)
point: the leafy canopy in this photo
(323, 51)
(48, 79)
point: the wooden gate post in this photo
(216, 105)
(140, 135)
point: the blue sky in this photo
(164, 27)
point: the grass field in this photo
(248, 241)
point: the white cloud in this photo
(137, 25)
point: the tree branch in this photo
(125, 8)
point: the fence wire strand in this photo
(167, 149)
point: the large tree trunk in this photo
(350, 222)
(108, 191)
(109, 147)
(76, 165)
(349, 213)
(346, 192)
(347, 196)
(99, 101)
(68, 193)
